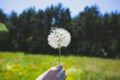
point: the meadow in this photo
(21, 66)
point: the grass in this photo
(20, 66)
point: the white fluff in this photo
(59, 37)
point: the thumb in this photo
(57, 68)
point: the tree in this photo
(3, 17)
(3, 37)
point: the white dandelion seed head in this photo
(59, 37)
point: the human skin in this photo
(54, 73)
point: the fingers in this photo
(61, 74)
(54, 73)
(62, 77)
(59, 67)
(56, 69)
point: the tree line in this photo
(93, 34)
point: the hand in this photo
(54, 73)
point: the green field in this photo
(20, 66)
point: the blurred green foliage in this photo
(93, 33)
(3, 27)
(21, 66)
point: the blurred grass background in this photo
(20, 66)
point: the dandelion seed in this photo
(58, 38)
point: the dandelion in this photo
(59, 38)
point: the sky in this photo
(75, 6)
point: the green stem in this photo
(59, 53)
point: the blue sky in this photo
(75, 6)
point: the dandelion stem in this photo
(59, 52)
